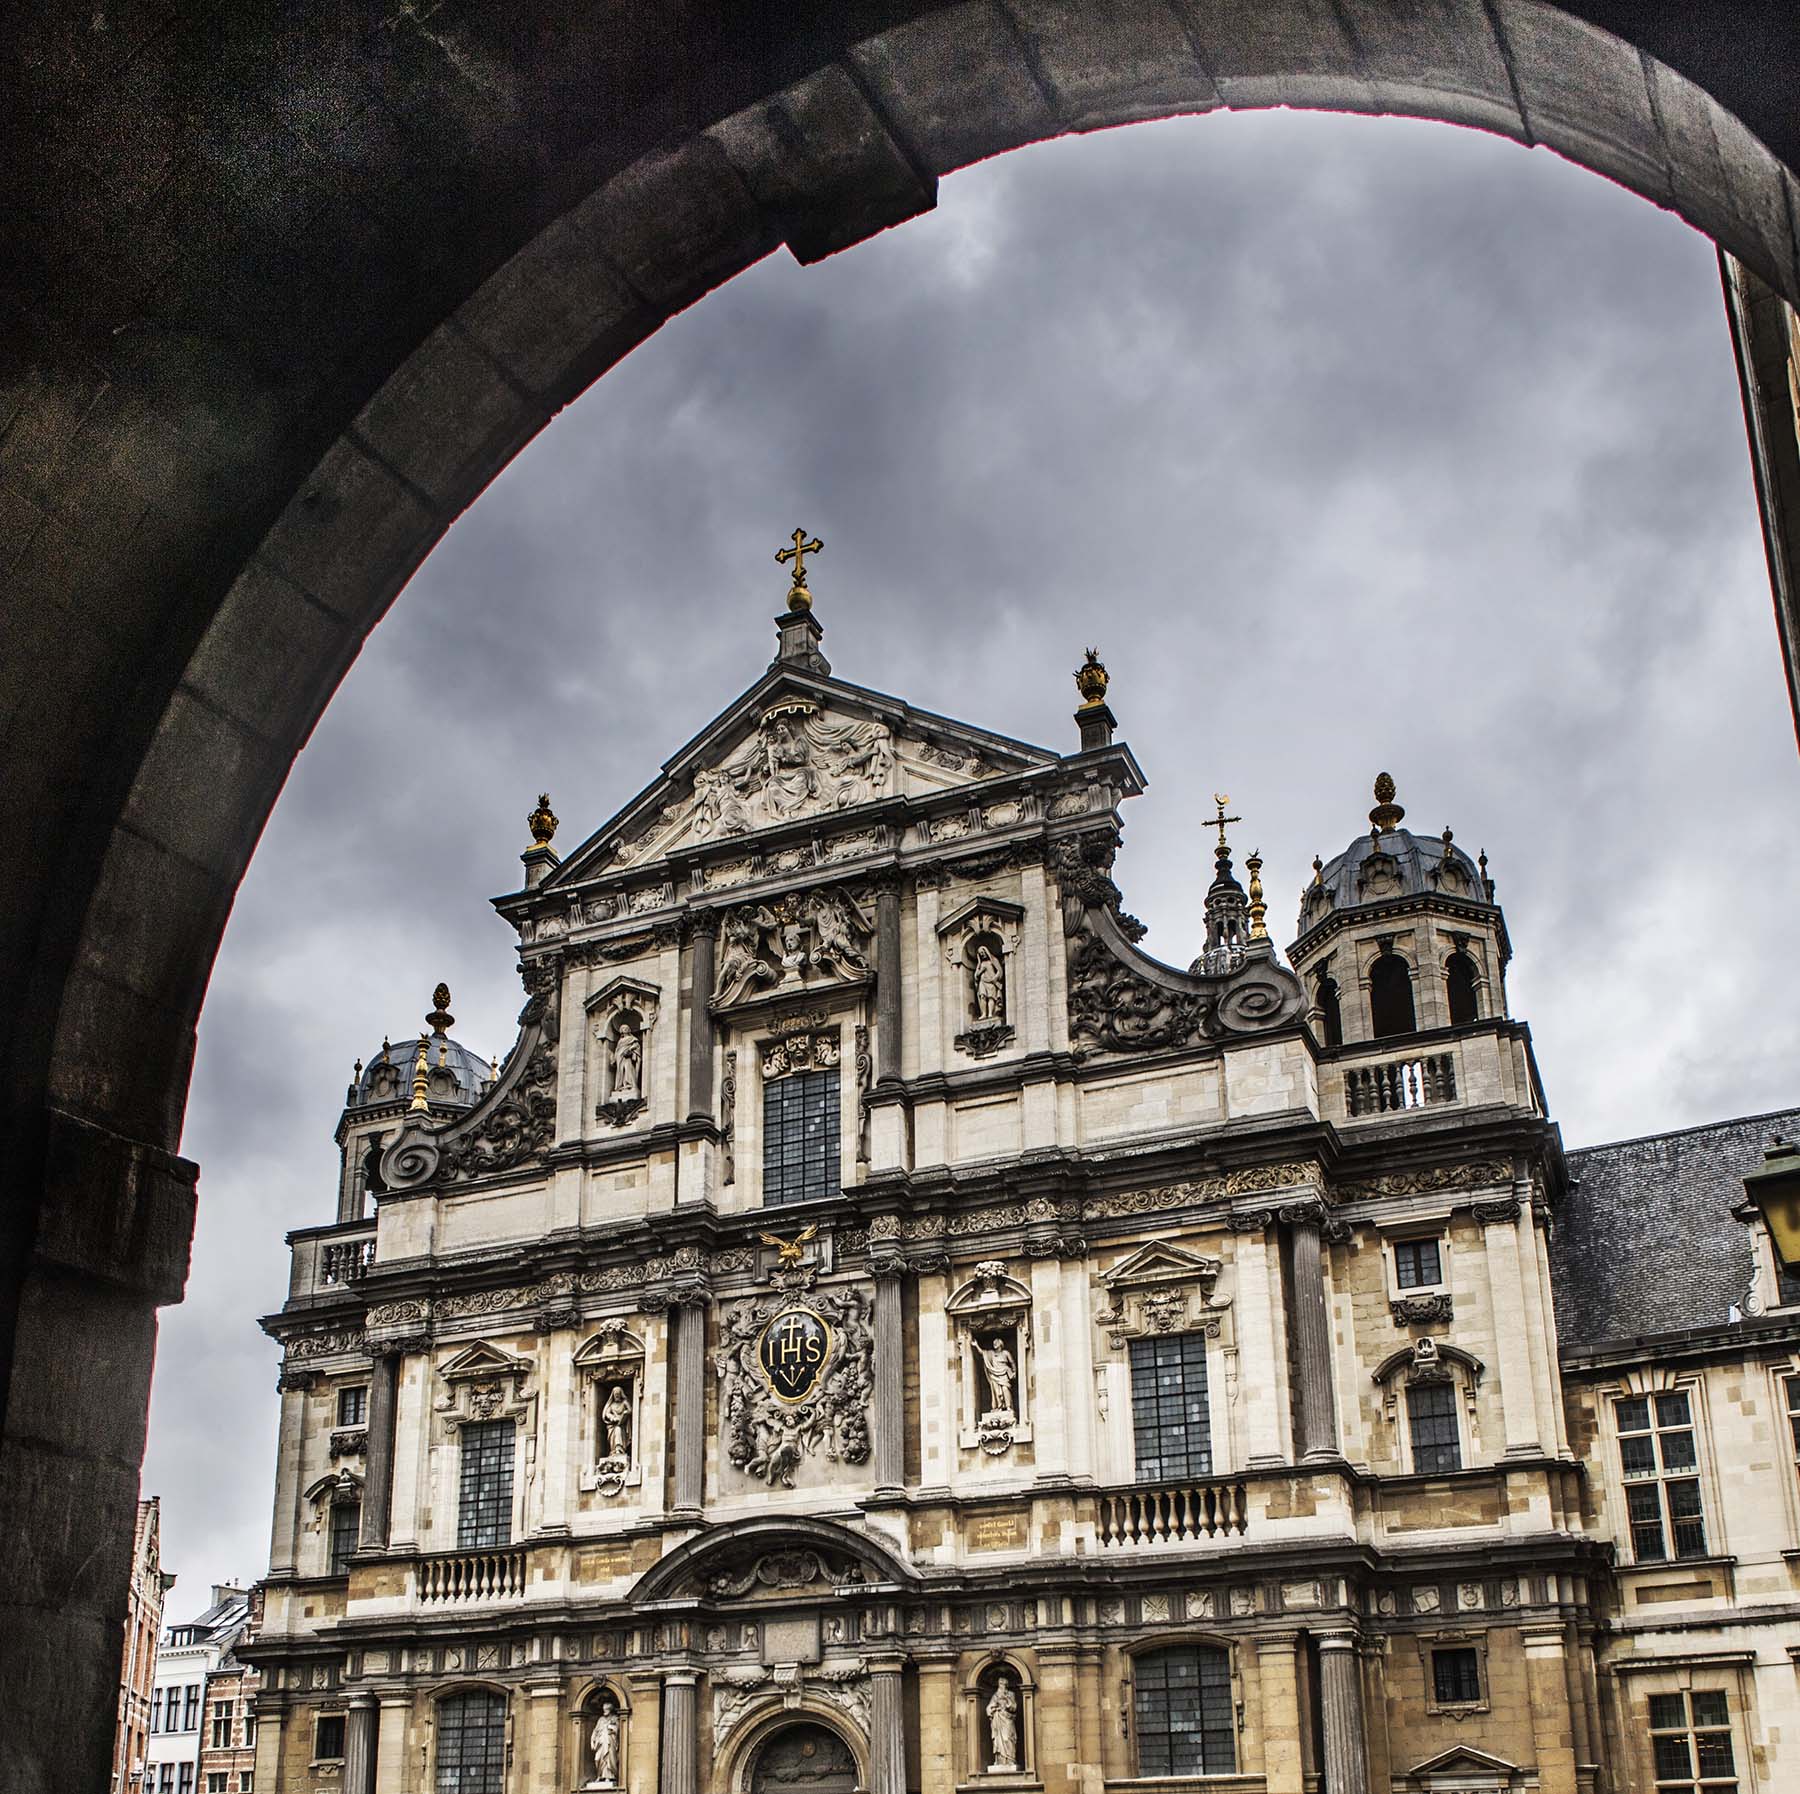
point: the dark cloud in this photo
(1353, 444)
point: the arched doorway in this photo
(803, 1759)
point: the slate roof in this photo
(1645, 1243)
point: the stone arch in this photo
(736, 1754)
(688, 1566)
(229, 464)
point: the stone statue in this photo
(987, 978)
(836, 942)
(616, 1418)
(741, 965)
(628, 1064)
(603, 1741)
(1003, 1726)
(1002, 1372)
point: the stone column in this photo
(700, 1022)
(359, 1745)
(378, 1479)
(1259, 1338)
(890, 1375)
(937, 1727)
(679, 1772)
(390, 1745)
(1547, 1689)
(1278, 1711)
(1312, 1332)
(687, 1321)
(1341, 1697)
(887, 982)
(1499, 1221)
(887, 1729)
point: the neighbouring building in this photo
(137, 1670)
(880, 1329)
(187, 1657)
(228, 1748)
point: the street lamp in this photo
(1774, 1192)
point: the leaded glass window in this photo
(471, 1742)
(1431, 1419)
(800, 1137)
(1417, 1263)
(1662, 1485)
(346, 1528)
(1690, 1743)
(484, 1503)
(1183, 1707)
(1171, 1426)
(1456, 1676)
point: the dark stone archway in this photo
(284, 288)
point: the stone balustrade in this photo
(1399, 1084)
(474, 1578)
(1174, 1513)
(345, 1261)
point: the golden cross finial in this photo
(799, 598)
(1221, 798)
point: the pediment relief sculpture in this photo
(484, 1383)
(804, 939)
(1161, 1288)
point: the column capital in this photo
(1277, 1644)
(1337, 1641)
(362, 1698)
(885, 1663)
(681, 1675)
(1308, 1212)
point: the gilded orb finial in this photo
(1386, 814)
(1092, 679)
(1318, 870)
(799, 598)
(1258, 909)
(420, 1080)
(542, 822)
(440, 1020)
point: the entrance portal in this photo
(804, 1759)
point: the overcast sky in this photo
(1352, 445)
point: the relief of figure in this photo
(718, 810)
(603, 1741)
(628, 1063)
(781, 771)
(1002, 1372)
(987, 982)
(741, 966)
(1003, 1726)
(837, 944)
(616, 1418)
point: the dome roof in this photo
(1389, 863)
(455, 1073)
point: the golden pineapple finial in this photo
(440, 1020)
(1387, 814)
(1258, 908)
(799, 598)
(1092, 679)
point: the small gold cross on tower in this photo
(799, 598)
(1222, 798)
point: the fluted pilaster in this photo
(1311, 1325)
(700, 1023)
(887, 983)
(887, 1729)
(378, 1477)
(679, 1770)
(359, 1745)
(890, 1386)
(688, 1320)
(1341, 1699)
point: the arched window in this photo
(371, 1165)
(1391, 997)
(1459, 981)
(1331, 1013)
(471, 1743)
(1182, 1704)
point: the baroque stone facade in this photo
(881, 1328)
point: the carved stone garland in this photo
(768, 1437)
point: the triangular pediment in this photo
(1159, 1262)
(1464, 1759)
(484, 1360)
(795, 746)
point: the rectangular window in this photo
(190, 1708)
(1431, 1420)
(1416, 1263)
(1662, 1493)
(1787, 1285)
(185, 1784)
(249, 1727)
(156, 1695)
(1456, 1676)
(800, 1138)
(246, 1780)
(1183, 1707)
(1790, 1389)
(346, 1529)
(165, 1779)
(215, 1782)
(1690, 1743)
(353, 1405)
(484, 1503)
(221, 1725)
(328, 1738)
(1170, 1423)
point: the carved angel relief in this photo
(805, 937)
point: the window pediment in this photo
(1161, 1288)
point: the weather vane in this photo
(799, 598)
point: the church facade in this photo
(879, 1329)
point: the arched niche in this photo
(609, 1371)
(740, 1751)
(982, 1765)
(990, 1319)
(601, 1723)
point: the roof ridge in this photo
(1699, 1127)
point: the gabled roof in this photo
(847, 737)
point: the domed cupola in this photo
(432, 1072)
(1399, 933)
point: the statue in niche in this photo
(616, 1418)
(1003, 1726)
(628, 1062)
(987, 985)
(1002, 1372)
(603, 1741)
